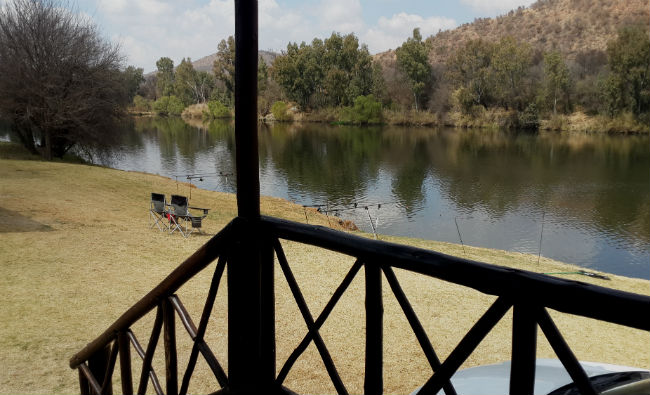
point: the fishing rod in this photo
(583, 273)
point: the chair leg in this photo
(155, 220)
(175, 225)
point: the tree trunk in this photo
(415, 97)
(26, 138)
(47, 153)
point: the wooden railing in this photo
(529, 294)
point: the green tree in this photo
(165, 77)
(299, 71)
(628, 86)
(262, 74)
(470, 70)
(185, 82)
(133, 77)
(511, 62)
(557, 79)
(413, 60)
(331, 72)
(224, 66)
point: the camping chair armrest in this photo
(205, 210)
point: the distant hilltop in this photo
(205, 63)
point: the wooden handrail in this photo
(572, 297)
(190, 267)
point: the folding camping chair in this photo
(158, 211)
(181, 216)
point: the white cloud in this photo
(496, 6)
(392, 32)
(342, 16)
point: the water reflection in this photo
(591, 191)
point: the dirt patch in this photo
(12, 221)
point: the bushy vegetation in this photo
(217, 110)
(280, 111)
(140, 104)
(168, 105)
(366, 110)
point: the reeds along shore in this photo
(76, 251)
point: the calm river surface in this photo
(589, 193)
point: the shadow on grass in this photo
(11, 221)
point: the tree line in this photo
(339, 74)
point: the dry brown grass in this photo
(76, 252)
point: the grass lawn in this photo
(76, 251)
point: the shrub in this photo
(217, 109)
(365, 110)
(195, 111)
(168, 105)
(280, 111)
(141, 104)
(529, 118)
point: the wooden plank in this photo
(148, 356)
(169, 340)
(309, 320)
(186, 320)
(572, 297)
(191, 266)
(125, 363)
(466, 346)
(564, 353)
(374, 380)
(418, 330)
(524, 349)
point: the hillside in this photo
(205, 63)
(571, 26)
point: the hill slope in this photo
(571, 26)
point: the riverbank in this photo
(77, 251)
(488, 119)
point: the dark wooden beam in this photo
(374, 375)
(524, 349)
(246, 58)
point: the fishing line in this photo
(459, 236)
(541, 234)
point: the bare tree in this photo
(60, 82)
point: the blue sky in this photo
(150, 29)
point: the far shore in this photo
(77, 251)
(576, 122)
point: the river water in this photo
(581, 199)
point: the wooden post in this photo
(125, 363)
(524, 350)
(374, 381)
(246, 151)
(169, 339)
(251, 339)
(98, 364)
